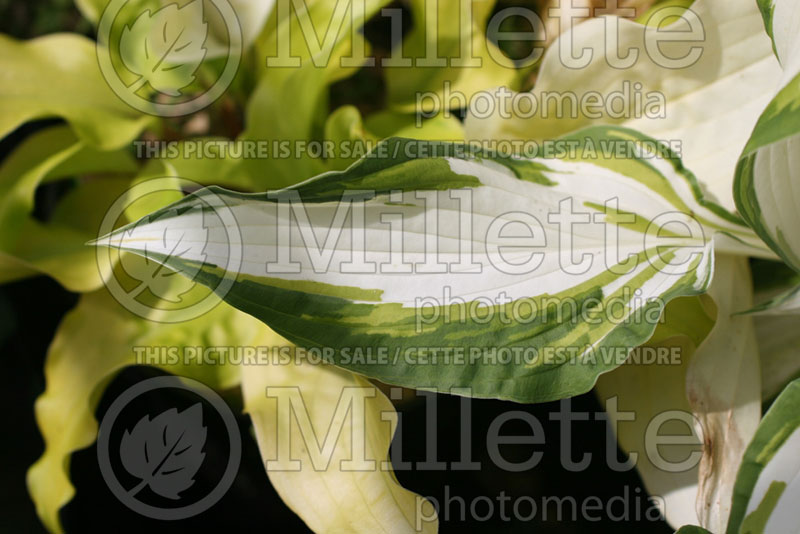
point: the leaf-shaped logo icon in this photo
(163, 282)
(165, 452)
(165, 48)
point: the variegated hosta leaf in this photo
(766, 180)
(767, 486)
(324, 434)
(713, 98)
(724, 391)
(29, 246)
(94, 342)
(455, 285)
(58, 76)
(641, 392)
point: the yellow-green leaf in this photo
(330, 495)
(56, 247)
(58, 76)
(93, 343)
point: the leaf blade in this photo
(35, 85)
(374, 311)
(767, 168)
(767, 479)
(331, 498)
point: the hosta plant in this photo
(411, 250)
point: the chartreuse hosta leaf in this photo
(766, 179)
(94, 342)
(100, 337)
(29, 246)
(85, 354)
(385, 124)
(58, 76)
(250, 14)
(336, 49)
(767, 486)
(456, 286)
(324, 434)
(303, 87)
(713, 97)
(445, 61)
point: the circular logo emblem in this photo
(162, 60)
(154, 460)
(206, 236)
